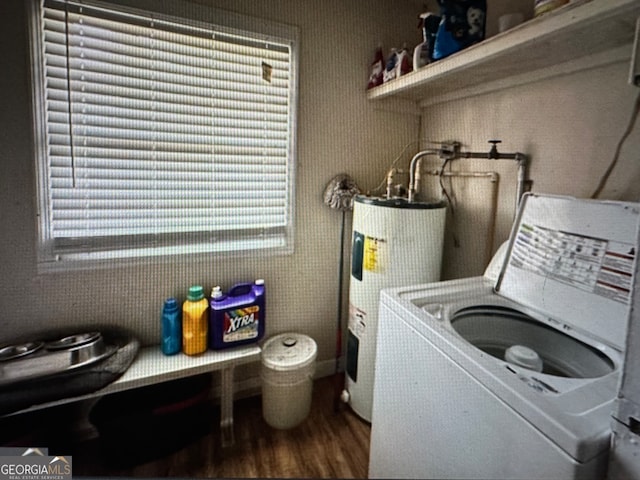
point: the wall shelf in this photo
(581, 35)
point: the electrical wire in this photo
(616, 155)
(456, 240)
(441, 181)
(397, 159)
(393, 164)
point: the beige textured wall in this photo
(338, 131)
(569, 126)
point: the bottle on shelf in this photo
(171, 327)
(238, 317)
(423, 53)
(195, 322)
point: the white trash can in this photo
(288, 365)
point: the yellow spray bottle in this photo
(195, 322)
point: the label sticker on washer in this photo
(591, 264)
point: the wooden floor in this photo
(328, 444)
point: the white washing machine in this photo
(511, 376)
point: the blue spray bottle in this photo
(423, 53)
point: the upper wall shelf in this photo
(554, 43)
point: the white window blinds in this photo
(162, 136)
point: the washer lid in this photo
(289, 351)
(573, 261)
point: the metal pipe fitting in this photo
(413, 186)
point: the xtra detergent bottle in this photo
(195, 322)
(238, 317)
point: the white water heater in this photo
(394, 243)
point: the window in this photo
(157, 135)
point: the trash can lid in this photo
(289, 351)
